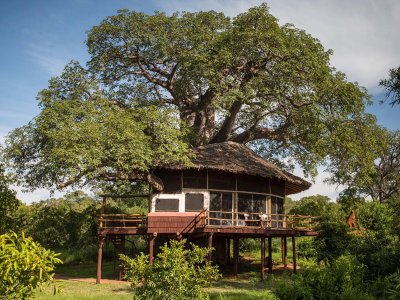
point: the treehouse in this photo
(226, 194)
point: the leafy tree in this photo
(8, 203)
(155, 82)
(383, 182)
(80, 136)
(332, 241)
(316, 205)
(349, 199)
(177, 273)
(378, 248)
(24, 266)
(392, 85)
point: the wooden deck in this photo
(218, 228)
(206, 222)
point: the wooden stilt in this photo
(209, 246)
(284, 251)
(151, 248)
(235, 255)
(269, 254)
(294, 254)
(100, 258)
(120, 275)
(262, 267)
(228, 251)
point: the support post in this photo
(100, 258)
(120, 275)
(269, 254)
(228, 251)
(284, 251)
(262, 267)
(151, 248)
(235, 255)
(209, 246)
(294, 254)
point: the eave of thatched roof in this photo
(239, 159)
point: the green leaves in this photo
(80, 136)
(24, 266)
(177, 273)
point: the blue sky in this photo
(39, 37)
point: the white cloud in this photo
(319, 186)
(47, 57)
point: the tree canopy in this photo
(156, 84)
(383, 182)
(392, 85)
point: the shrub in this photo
(306, 249)
(177, 273)
(24, 266)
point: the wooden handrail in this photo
(263, 220)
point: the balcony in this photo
(207, 221)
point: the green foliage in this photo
(156, 83)
(392, 85)
(317, 205)
(8, 203)
(66, 222)
(382, 183)
(342, 280)
(177, 273)
(378, 247)
(306, 249)
(349, 199)
(81, 137)
(24, 266)
(332, 241)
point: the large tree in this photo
(383, 183)
(392, 85)
(8, 202)
(247, 79)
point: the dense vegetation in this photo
(24, 266)
(157, 85)
(178, 272)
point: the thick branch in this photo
(227, 125)
(156, 182)
(258, 133)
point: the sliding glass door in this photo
(221, 208)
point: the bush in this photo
(24, 266)
(306, 249)
(177, 273)
(344, 278)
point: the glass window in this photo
(195, 179)
(277, 211)
(194, 202)
(167, 205)
(221, 208)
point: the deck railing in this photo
(122, 221)
(211, 218)
(257, 220)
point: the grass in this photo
(88, 270)
(246, 286)
(87, 291)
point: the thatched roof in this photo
(239, 159)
